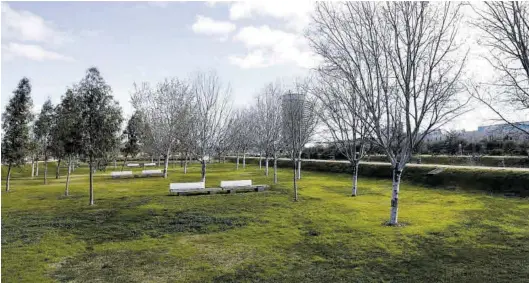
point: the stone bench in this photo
(184, 188)
(133, 165)
(150, 173)
(121, 174)
(240, 185)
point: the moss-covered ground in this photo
(136, 232)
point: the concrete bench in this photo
(121, 174)
(233, 186)
(179, 188)
(133, 165)
(149, 164)
(149, 173)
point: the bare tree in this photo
(269, 123)
(299, 122)
(505, 27)
(403, 61)
(344, 115)
(211, 115)
(238, 134)
(165, 110)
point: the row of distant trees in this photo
(85, 124)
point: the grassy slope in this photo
(136, 233)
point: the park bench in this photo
(121, 174)
(133, 165)
(185, 188)
(150, 173)
(240, 185)
(149, 164)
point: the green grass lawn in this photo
(136, 232)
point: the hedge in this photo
(493, 181)
(490, 161)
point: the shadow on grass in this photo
(123, 223)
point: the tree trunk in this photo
(393, 220)
(37, 170)
(115, 163)
(67, 191)
(8, 181)
(91, 181)
(299, 167)
(185, 164)
(237, 168)
(260, 157)
(158, 164)
(124, 161)
(266, 166)
(166, 166)
(275, 168)
(295, 181)
(355, 178)
(57, 172)
(32, 168)
(244, 160)
(203, 170)
(45, 171)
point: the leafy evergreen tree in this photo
(132, 134)
(101, 120)
(16, 119)
(67, 133)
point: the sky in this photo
(248, 44)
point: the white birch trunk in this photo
(275, 168)
(266, 166)
(260, 157)
(237, 160)
(299, 167)
(295, 182)
(166, 166)
(244, 160)
(185, 165)
(37, 170)
(32, 168)
(355, 179)
(393, 220)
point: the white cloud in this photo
(32, 52)
(208, 26)
(269, 47)
(26, 26)
(296, 14)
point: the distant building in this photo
(435, 136)
(505, 131)
(488, 132)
